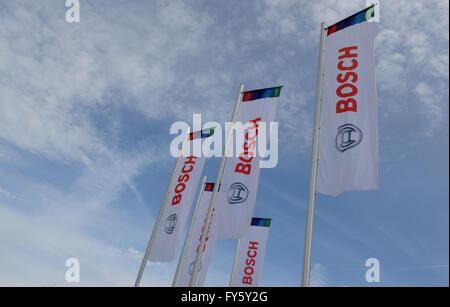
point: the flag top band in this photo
(359, 17)
(201, 134)
(209, 187)
(262, 222)
(271, 92)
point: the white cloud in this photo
(35, 249)
(135, 253)
(432, 106)
(318, 275)
(60, 77)
(7, 193)
(162, 60)
(61, 74)
(411, 48)
(425, 267)
(50, 223)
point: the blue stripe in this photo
(356, 18)
(263, 222)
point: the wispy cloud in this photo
(425, 267)
(7, 193)
(84, 107)
(318, 275)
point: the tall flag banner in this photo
(239, 184)
(179, 204)
(188, 260)
(348, 146)
(250, 254)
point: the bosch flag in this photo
(176, 210)
(348, 148)
(239, 185)
(188, 260)
(250, 255)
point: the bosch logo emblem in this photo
(348, 136)
(170, 224)
(191, 267)
(237, 193)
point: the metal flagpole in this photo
(216, 187)
(233, 270)
(314, 159)
(188, 235)
(161, 210)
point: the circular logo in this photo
(191, 267)
(170, 224)
(237, 193)
(348, 136)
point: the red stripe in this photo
(247, 96)
(332, 29)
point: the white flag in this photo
(239, 184)
(189, 257)
(250, 256)
(176, 210)
(348, 147)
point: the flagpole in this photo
(233, 270)
(161, 210)
(314, 160)
(188, 235)
(216, 187)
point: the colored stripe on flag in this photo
(359, 17)
(262, 222)
(201, 134)
(209, 187)
(263, 93)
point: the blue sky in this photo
(85, 112)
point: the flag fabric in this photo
(176, 210)
(348, 146)
(263, 93)
(205, 133)
(359, 17)
(188, 260)
(250, 254)
(239, 184)
(261, 222)
(209, 187)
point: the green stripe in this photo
(370, 12)
(276, 91)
